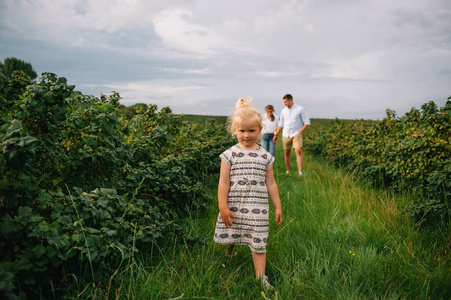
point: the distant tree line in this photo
(130, 111)
(12, 64)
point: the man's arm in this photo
(304, 127)
(305, 120)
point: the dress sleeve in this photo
(270, 160)
(226, 156)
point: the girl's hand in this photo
(226, 216)
(278, 214)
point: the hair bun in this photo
(244, 102)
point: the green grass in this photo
(339, 240)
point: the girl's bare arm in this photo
(223, 190)
(273, 192)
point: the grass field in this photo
(339, 240)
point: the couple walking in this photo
(293, 121)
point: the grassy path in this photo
(338, 241)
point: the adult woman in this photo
(270, 122)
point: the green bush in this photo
(411, 153)
(82, 188)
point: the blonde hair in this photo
(244, 111)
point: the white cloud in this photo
(150, 88)
(350, 58)
(80, 23)
(178, 31)
(189, 71)
(370, 66)
(286, 17)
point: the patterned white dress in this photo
(247, 199)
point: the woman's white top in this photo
(268, 126)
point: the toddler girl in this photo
(246, 178)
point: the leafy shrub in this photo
(82, 188)
(411, 153)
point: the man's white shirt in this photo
(292, 119)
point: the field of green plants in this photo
(409, 153)
(83, 189)
(339, 240)
(99, 201)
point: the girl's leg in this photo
(259, 264)
(229, 251)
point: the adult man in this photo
(294, 121)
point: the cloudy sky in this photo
(350, 59)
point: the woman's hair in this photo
(244, 111)
(270, 107)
